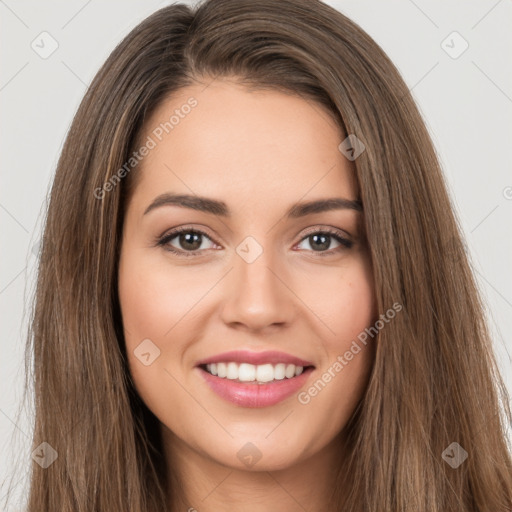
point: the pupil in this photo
(324, 244)
(188, 238)
(194, 242)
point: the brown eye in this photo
(189, 241)
(186, 242)
(321, 241)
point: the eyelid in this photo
(328, 229)
(173, 233)
(344, 238)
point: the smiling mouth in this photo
(245, 373)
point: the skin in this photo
(260, 152)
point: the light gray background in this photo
(466, 101)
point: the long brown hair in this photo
(434, 380)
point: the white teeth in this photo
(221, 370)
(232, 371)
(290, 371)
(245, 372)
(279, 371)
(264, 373)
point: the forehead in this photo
(223, 140)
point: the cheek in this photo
(348, 309)
(351, 307)
(153, 301)
(143, 297)
(354, 311)
(159, 307)
(150, 307)
(345, 302)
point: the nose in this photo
(258, 297)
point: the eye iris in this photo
(323, 245)
(190, 238)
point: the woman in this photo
(320, 345)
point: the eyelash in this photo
(164, 240)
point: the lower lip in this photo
(253, 394)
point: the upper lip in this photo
(256, 358)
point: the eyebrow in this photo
(215, 207)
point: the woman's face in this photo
(253, 279)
